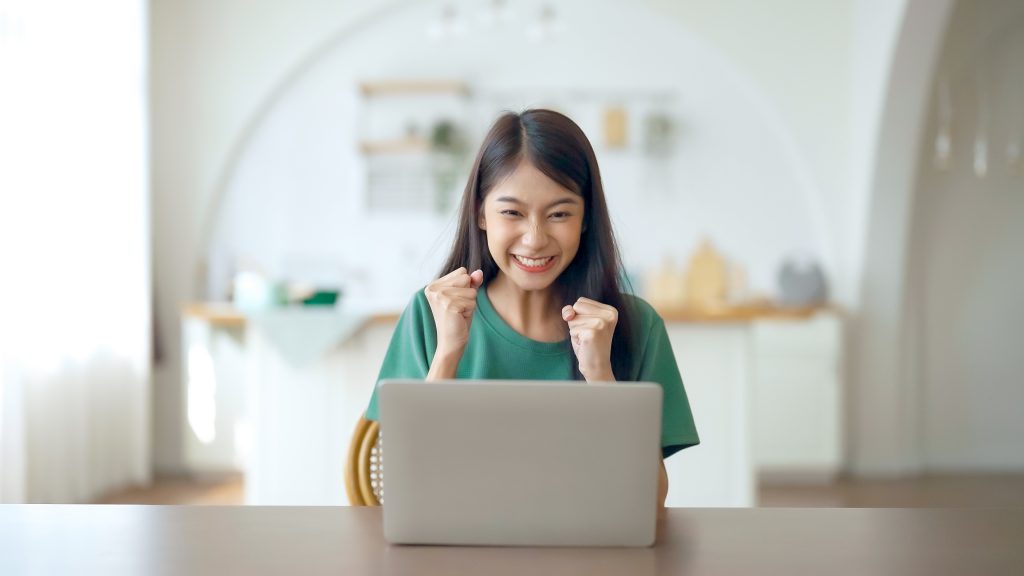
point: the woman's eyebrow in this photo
(511, 200)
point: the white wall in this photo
(213, 64)
(799, 54)
(297, 194)
(968, 270)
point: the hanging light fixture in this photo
(981, 132)
(982, 65)
(495, 15)
(1016, 124)
(448, 24)
(544, 28)
(944, 136)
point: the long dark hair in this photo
(556, 146)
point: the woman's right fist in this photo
(452, 300)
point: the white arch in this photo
(884, 419)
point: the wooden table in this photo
(108, 540)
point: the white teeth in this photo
(533, 263)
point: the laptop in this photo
(520, 463)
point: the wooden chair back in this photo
(364, 468)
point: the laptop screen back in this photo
(528, 463)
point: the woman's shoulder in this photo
(418, 306)
(419, 298)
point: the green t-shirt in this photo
(496, 351)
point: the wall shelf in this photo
(395, 146)
(407, 87)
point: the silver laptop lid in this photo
(528, 463)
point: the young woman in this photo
(532, 288)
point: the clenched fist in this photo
(452, 300)
(591, 327)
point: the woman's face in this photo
(533, 227)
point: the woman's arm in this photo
(444, 366)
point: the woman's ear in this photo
(481, 222)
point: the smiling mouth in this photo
(533, 264)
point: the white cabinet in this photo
(303, 415)
(797, 396)
(765, 394)
(214, 433)
(714, 361)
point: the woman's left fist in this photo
(591, 327)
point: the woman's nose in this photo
(536, 236)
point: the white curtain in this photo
(75, 310)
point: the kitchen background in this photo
(857, 161)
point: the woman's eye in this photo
(560, 215)
(510, 212)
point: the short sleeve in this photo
(411, 349)
(658, 364)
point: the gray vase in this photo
(801, 284)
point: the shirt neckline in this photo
(491, 317)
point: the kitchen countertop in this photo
(225, 315)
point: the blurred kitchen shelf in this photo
(219, 314)
(395, 146)
(226, 315)
(400, 87)
(741, 313)
(397, 122)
